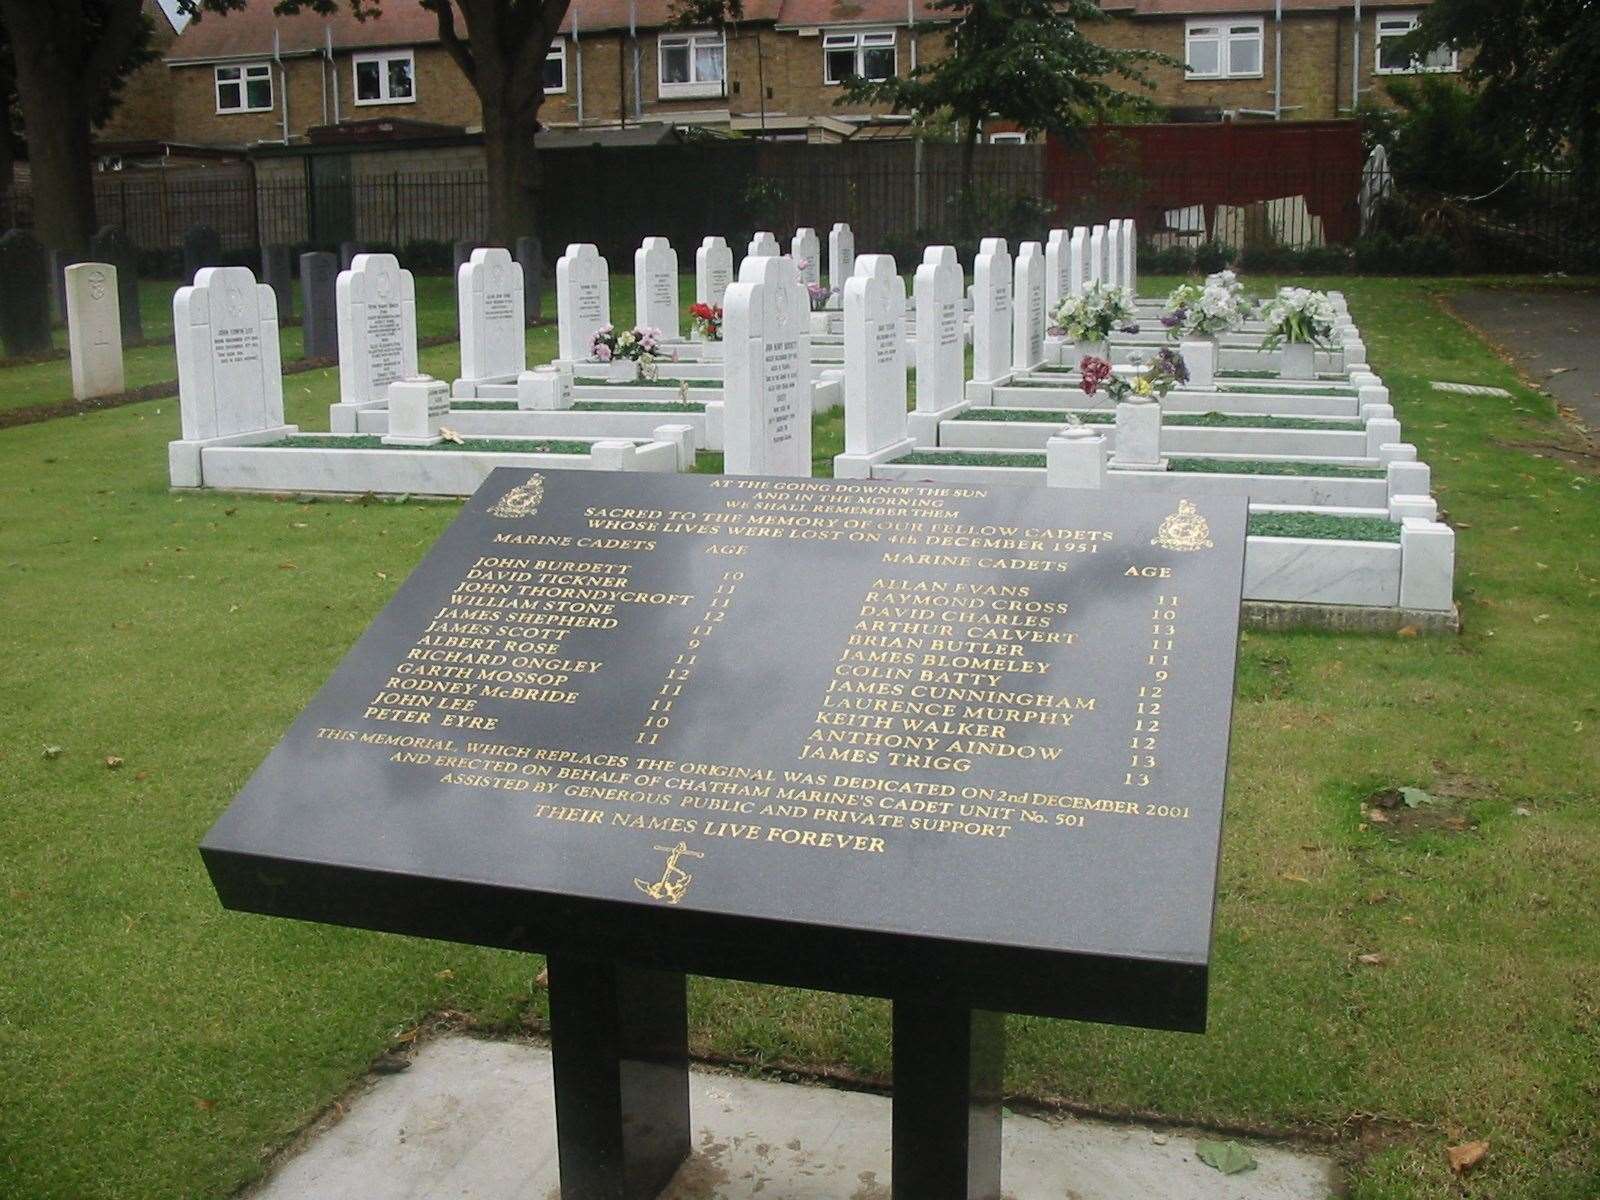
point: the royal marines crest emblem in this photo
(1185, 529)
(522, 500)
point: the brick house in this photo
(254, 78)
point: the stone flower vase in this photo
(1299, 361)
(1084, 350)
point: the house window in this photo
(691, 64)
(246, 88)
(869, 55)
(1391, 60)
(555, 69)
(387, 78)
(1008, 139)
(1223, 49)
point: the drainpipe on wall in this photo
(633, 39)
(1355, 63)
(911, 30)
(577, 64)
(1277, 61)
(333, 63)
(283, 79)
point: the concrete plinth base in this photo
(474, 1118)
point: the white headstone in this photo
(766, 387)
(1130, 256)
(583, 299)
(230, 379)
(417, 406)
(377, 303)
(874, 358)
(763, 245)
(941, 349)
(841, 260)
(655, 286)
(1057, 279)
(1078, 261)
(1097, 253)
(1028, 317)
(1113, 244)
(94, 330)
(490, 299)
(991, 311)
(806, 249)
(713, 271)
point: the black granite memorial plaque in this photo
(963, 747)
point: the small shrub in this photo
(1170, 260)
(1427, 254)
(1268, 259)
(1377, 254)
(1322, 260)
(428, 256)
(1212, 256)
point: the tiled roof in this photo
(248, 32)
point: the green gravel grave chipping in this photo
(337, 441)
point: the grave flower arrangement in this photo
(1297, 316)
(1151, 381)
(1095, 314)
(818, 292)
(707, 321)
(1208, 309)
(641, 344)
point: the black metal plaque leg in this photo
(620, 1047)
(949, 1069)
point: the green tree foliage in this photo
(1025, 61)
(1537, 65)
(1445, 139)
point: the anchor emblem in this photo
(674, 881)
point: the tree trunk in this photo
(55, 114)
(969, 199)
(513, 169)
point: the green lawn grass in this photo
(153, 1045)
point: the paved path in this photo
(476, 1119)
(1545, 330)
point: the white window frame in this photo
(557, 53)
(383, 58)
(860, 41)
(244, 73)
(692, 40)
(1224, 31)
(1010, 138)
(1417, 66)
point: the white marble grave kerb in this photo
(493, 333)
(991, 311)
(377, 303)
(766, 395)
(94, 330)
(583, 300)
(841, 261)
(713, 271)
(874, 368)
(655, 286)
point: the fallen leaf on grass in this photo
(543, 978)
(1407, 631)
(113, 762)
(287, 566)
(1466, 1156)
(52, 751)
(1378, 817)
(1228, 1157)
(1541, 618)
(450, 435)
(205, 1105)
(1287, 877)
(1373, 960)
(1413, 796)
(446, 974)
